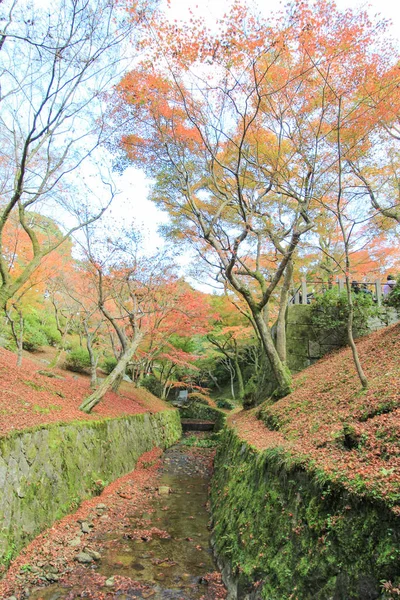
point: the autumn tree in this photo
(168, 348)
(55, 67)
(16, 253)
(238, 130)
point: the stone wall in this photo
(282, 530)
(47, 471)
(306, 344)
(198, 410)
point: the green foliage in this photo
(277, 521)
(98, 486)
(26, 568)
(198, 397)
(109, 363)
(52, 334)
(204, 442)
(45, 410)
(78, 360)
(34, 336)
(39, 330)
(152, 384)
(393, 299)
(222, 403)
(330, 311)
(250, 393)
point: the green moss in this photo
(52, 468)
(297, 531)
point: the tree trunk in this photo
(89, 403)
(232, 374)
(214, 380)
(239, 378)
(346, 241)
(93, 374)
(281, 372)
(20, 340)
(282, 315)
(17, 335)
(116, 384)
(61, 346)
(356, 358)
(92, 357)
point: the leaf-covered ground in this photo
(28, 398)
(335, 426)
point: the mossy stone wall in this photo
(46, 472)
(296, 533)
(306, 344)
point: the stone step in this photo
(197, 425)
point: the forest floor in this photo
(29, 398)
(334, 426)
(146, 536)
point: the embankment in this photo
(46, 471)
(283, 531)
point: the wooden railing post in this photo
(340, 284)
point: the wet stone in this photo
(83, 558)
(92, 553)
(110, 581)
(75, 542)
(85, 527)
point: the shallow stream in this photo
(171, 567)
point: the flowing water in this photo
(171, 567)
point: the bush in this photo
(198, 397)
(78, 360)
(152, 384)
(109, 364)
(34, 338)
(329, 312)
(224, 404)
(201, 442)
(52, 334)
(393, 299)
(251, 393)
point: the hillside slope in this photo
(28, 398)
(335, 427)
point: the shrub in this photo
(34, 338)
(152, 384)
(222, 403)
(201, 442)
(78, 360)
(198, 397)
(251, 393)
(52, 334)
(329, 312)
(393, 299)
(109, 364)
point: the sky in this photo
(132, 203)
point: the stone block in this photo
(314, 349)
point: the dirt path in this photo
(146, 536)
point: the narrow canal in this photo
(157, 547)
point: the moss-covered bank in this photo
(298, 535)
(47, 471)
